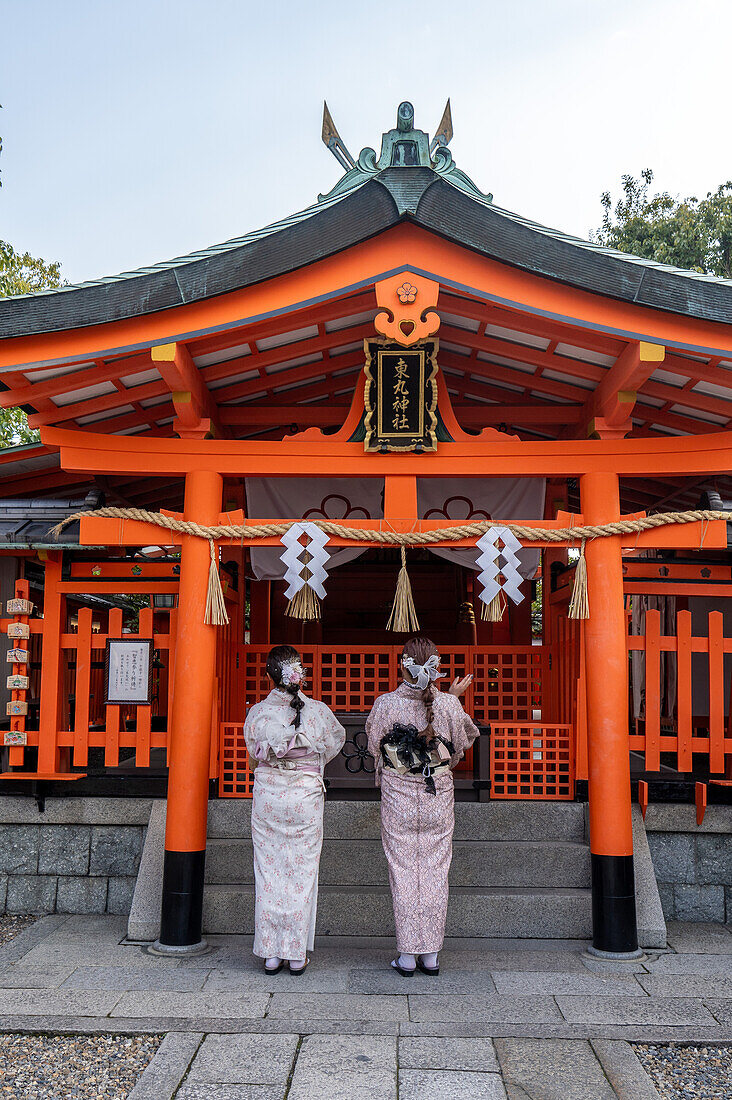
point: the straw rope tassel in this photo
(304, 604)
(215, 614)
(493, 612)
(579, 605)
(403, 618)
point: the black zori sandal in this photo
(300, 969)
(274, 969)
(402, 970)
(433, 971)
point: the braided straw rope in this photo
(396, 538)
(403, 615)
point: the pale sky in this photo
(137, 130)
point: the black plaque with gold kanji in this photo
(400, 397)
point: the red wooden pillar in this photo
(611, 832)
(190, 733)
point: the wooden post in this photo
(611, 832)
(189, 741)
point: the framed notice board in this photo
(128, 672)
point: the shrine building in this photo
(522, 434)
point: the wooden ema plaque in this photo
(19, 607)
(16, 708)
(17, 682)
(18, 630)
(17, 656)
(400, 397)
(15, 738)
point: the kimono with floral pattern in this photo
(287, 819)
(417, 826)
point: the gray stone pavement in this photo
(505, 1019)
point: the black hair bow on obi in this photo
(412, 750)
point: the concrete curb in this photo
(623, 1070)
(165, 1072)
(144, 919)
(651, 921)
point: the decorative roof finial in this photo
(334, 141)
(443, 133)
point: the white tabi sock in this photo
(430, 961)
(272, 963)
(407, 962)
(297, 964)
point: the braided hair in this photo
(278, 657)
(420, 649)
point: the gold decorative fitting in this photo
(406, 292)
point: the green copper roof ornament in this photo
(402, 147)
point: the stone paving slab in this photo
(338, 1006)
(123, 978)
(448, 1053)
(703, 986)
(313, 980)
(387, 980)
(100, 954)
(198, 1091)
(721, 1010)
(45, 1002)
(466, 1009)
(699, 938)
(20, 976)
(244, 1059)
(689, 963)
(624, 1070)
(527, 983)
(188, 1005)
(553, 1069)
(163, 1074)
(345, 1067)
(418, 1084)
(677, 1012)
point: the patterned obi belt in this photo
(298, 755)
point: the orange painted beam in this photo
(614, 397)
(398, 249)
(473, 416)
(308, 456)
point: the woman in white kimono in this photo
(292, 738)
(417, 734)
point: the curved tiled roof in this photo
(353, 214)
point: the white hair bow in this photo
(424, 673)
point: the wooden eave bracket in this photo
(197, 411)
(609, 409)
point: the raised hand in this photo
(459, 687)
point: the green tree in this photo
(21, 273)
(692, 233)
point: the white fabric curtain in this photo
(363, 498)
(339, 498)
(493, 498)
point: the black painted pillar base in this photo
(182, 907)
(614, 927)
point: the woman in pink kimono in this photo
(417, 734)
(292, 738)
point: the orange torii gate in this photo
(205, 462)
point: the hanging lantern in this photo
(305, 570)
(499, 573)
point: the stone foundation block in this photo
(674, 857)
(115, 851)
(699, 903)
(63, 850)
(81, 895)
(714, 859)
(31, 894)
(119, 895)
(19, 849)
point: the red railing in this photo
(700, 664)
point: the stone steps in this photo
(486, 863)
(367, 911)
(489, 821)
(519, 869)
